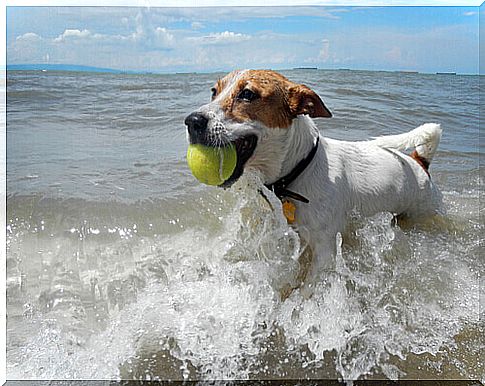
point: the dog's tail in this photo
(424, 139)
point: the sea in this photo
(121, 265)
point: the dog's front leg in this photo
(305, 263)
(321, 261)
(314, 261)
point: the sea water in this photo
(120, 265)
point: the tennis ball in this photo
(211, 165)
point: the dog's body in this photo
(359, 176)
(269, 120)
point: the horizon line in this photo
(95, 69)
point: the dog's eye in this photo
(247, 95)
(214, 92)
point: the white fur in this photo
(367, 176)
(424, 138)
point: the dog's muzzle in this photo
(212, 133)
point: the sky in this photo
(156, 39)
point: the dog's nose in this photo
(196, 123)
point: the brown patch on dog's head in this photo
(267, 97)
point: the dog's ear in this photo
(302, 100)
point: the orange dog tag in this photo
(289, 210)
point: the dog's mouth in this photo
(245, 147)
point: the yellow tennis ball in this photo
(211, 165)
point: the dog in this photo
(269, 120)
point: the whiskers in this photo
(219, 141)
(217, 135)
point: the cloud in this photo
(324, 53)
(196, 25)
(163, 36)
(221, 38)
(231, 13)
(145, 36)
(144, 39)
(260, 50)
(441, 48)
(151, 37)
(28, 37)
(73, 34)
(394, 54)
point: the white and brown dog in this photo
(269, 120)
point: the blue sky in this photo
(426, 39)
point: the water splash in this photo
(204, 300)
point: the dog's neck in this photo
(280, 150)
(301, 139)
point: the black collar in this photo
(279, 187)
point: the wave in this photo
(198, 295)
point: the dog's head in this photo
(254, 110)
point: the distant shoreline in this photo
(103, 70)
